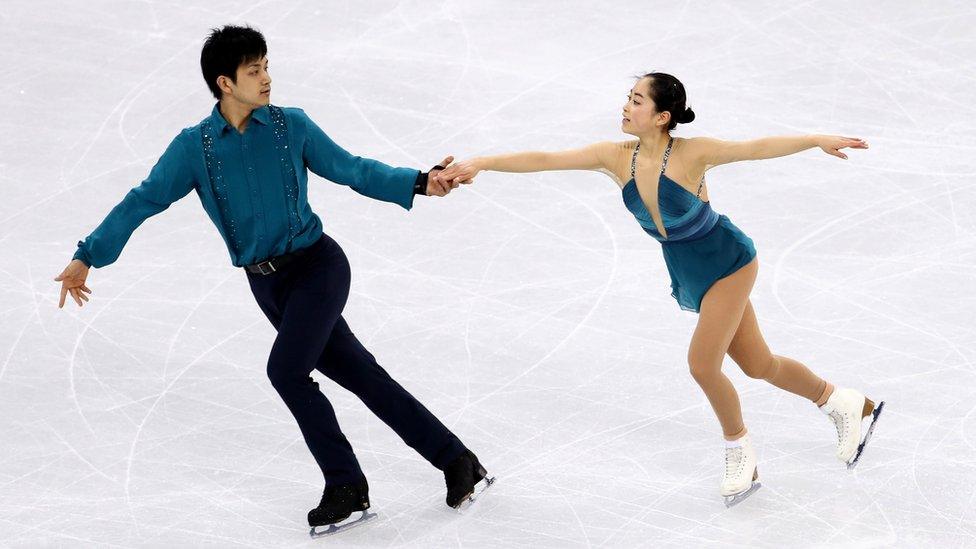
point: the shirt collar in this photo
(260, 116)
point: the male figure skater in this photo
(248, 164)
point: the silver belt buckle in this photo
(269, 263)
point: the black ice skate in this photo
(462, 477)
(338, 503)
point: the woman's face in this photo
(640, 114)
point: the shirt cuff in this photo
(420, 184)
(81, 255)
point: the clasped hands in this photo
(446, 176)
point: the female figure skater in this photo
(712, 263)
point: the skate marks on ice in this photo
(342, 526)
(853, 298)
(860, 447)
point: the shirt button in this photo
(250, 169)
(259, 215)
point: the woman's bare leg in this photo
(749, 350)
(718, 318)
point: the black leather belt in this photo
(273, 264)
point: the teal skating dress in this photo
(701, 246)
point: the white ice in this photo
(529, 312)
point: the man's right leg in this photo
(349, 364)
(304, 321)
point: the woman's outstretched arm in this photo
(715, 152)
(592, 157)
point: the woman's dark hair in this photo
(668, 94)
(228, 48)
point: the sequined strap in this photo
(280, 126)
(664, 165)
(213, 166)
(206, 133)
(664, 162)
(667, 153)
(633, 162)
(217, 185)
(288, 175)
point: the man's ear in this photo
(225, 83)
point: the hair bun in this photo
(687, 116)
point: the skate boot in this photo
(338, 503)
(741, 478)
(462, 476)
(847, 408)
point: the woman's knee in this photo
(702, 368)
(760, 368)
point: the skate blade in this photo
(735, 499)
(470, 500)
(333, 529)
(860, 447)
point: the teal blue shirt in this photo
(254, 186)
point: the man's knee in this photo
(283, 378)
(350, 363)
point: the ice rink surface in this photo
(529, 312)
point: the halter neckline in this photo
(664, 166)
(664, 162)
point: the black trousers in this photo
(304, 302)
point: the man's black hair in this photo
(226, 49)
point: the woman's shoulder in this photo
(620, 150)
(626, 146)
(617, 156)
(697, 143)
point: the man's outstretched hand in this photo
(72, 280)
(435, 186)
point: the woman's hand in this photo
(72, 280)
(434, 186)
(460, 172)
(832, 144)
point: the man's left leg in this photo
(349, 364)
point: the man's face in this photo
(253, 86)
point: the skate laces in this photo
(734, 461)
(840, 423)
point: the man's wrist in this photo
(80, 255)
(420, 184)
